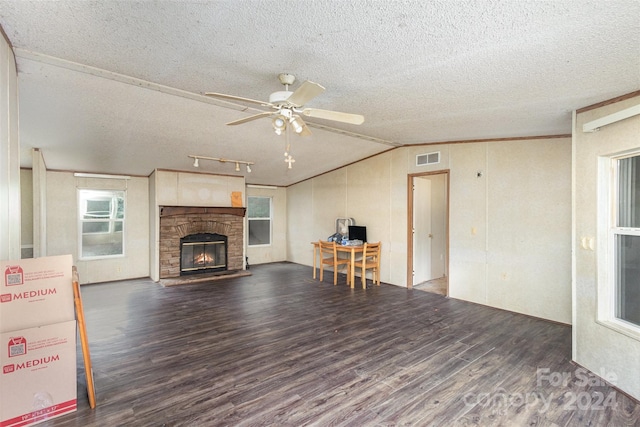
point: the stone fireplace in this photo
(203, 230)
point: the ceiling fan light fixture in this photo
(296, 125)
(279, 124)
(288, 105)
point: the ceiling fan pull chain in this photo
(288, 158)
(287, 147)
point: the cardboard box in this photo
(36, 292)
(38, 379)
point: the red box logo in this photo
(5, 298)
(17, 346)
(13, 275)
(8, 368)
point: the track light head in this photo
(248, 169)
(195, 163)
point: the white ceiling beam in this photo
(595, 125)
(110, 75)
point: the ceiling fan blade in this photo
(238, 98)
(306, 92)
(250, 118)
(305, 129)
(354, 119)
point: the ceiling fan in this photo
(288, 106)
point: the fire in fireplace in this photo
(203, 253)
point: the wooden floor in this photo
(279, 349)
(436, 286)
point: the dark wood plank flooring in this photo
(437, 286)
(278, 348)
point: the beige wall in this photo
(10, 158)
(510, 241)
(300, 223)
(195, 189)
(510, 228)
(62, 226)
(277, 250)
(596, 346)
(39, 204)
(154, 228)
(26, 212)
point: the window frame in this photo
(608, 230)
(111, 220)
(270, 219)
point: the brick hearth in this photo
(177, 222)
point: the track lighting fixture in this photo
(221, 160)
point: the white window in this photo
(259, 219)
(619, 292)
(101, 223)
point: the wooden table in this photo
(352, 250)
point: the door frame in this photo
(410, 203)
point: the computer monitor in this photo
(358, 232)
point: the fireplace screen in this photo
(203, 253)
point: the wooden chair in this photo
(370, 260)
(329, 256)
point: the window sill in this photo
(100, 257)
(629, 329)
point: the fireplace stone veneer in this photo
(178, 222)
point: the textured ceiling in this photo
(116, 86)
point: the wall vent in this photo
(428, 159)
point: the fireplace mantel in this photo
(183, 210)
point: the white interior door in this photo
(421, 230)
